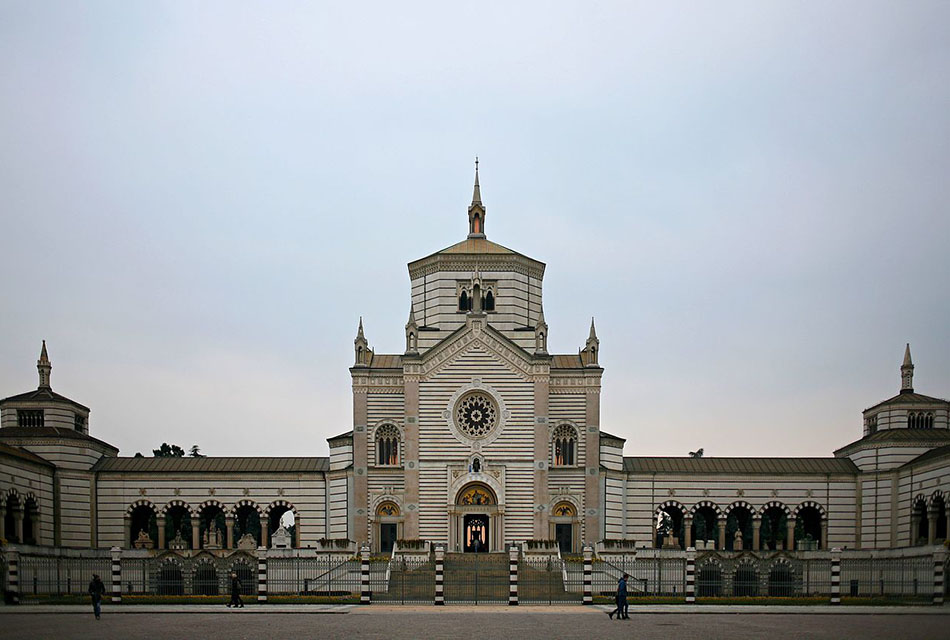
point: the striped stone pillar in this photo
(364, 575)
(440, 575)
(588, 574)
(691, 575)
(512, 575)
(13, 576)
(939, 558)
(116, 575)
(262, 574)
(836, 576)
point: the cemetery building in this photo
(475, 437)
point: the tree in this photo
(195, 452)
(168, 451)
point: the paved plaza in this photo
(484, 622)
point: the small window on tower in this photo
(80, 423)
(463, 302)
(489, 301)
(29, 418)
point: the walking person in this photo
(235, 592)
(96, 589)
(621, 599)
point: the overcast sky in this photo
(199, 200)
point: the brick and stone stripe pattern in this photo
(262, 574)
(364, 575)
(939, 577)
(691, 575)
(513, 576)
(836, 576)
(439, 576)
(588, 575)
(116, 575)
(13, 576)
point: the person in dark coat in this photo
(235, 592)
(96, 589)
(621, 600)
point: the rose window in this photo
(476, 415)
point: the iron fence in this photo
(52, 575)
(544, 580)
(324, 576)
(476, 578)
(888, 577)
(402, 580)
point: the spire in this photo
(44, 367)
(477, 192)
(591, 348)
(476, 210)
(907, 372)
(364, 354)
(541, 334)
(412, 333)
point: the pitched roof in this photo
(386, 361)
(477, 245)
(23, 454)
(739, 465)
(212, 465)
(933, 454)
(907, 397)
(906, 437)
(42, 395)
(566, 361)
(52, 432)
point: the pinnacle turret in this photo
(476, 210)
(44, 367)
(907, 372)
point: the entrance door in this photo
(564, 537)
(476, 533)
(387, 536)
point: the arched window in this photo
(565, 446)
(463, 302)
(387, 445)
(489, 301)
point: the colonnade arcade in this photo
(930, 519)
(740, 526)
(19, 517)
(210, 525)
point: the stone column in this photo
(947, 509)
(790, 534)
(195, 533)
(18, 523)
(160, 522)
(931, 525)
(542, 456)
(297, 531)
(265, 532)
(411, 375)
(940, 557)
(116, 553)
(690, 575)
(262, 574)
(756, 526)
(127, 528)
(593, 519)
(229, 528)
(358, 518)
(3, 521)
(512, 575)
(722, 533)
(364, 575)
(688, 530)
(914, 527)
(836, 576)
(588, 574)
(824, 534)
(439, 575)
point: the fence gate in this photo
(321, 576)
(45, 575)
(544, 580)
(476, 578)
(402, 580)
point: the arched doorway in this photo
(669, 526)
(563, 529)
(476, 523)
(919, 522)
(388, 526)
